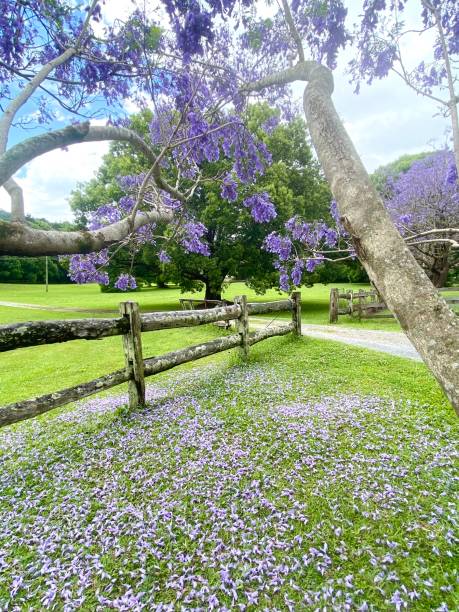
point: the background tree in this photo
(379, 41)
(424, 204)
(235, 240)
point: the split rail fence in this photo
(130, 325)
(368, 304)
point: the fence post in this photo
(243, 324)
(333, 308)
(296, 312)
(132, 344)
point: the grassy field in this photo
(306, 478)
(314, 475)
(314, 301)
(45, 369)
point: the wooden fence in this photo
(194, 304)
(367, 304)
(130, 325)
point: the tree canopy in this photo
(234, 238)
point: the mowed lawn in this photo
(315, 300)
(315, 476)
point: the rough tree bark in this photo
(423, 314)
(20, 239)
(16, 238)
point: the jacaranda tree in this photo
(197, 80)
(424, 204)
(382, 38)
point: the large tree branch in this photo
(19, 239)
(28, 90)
(24, 152)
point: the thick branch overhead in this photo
(19, 239)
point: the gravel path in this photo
(394, 343)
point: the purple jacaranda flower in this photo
(125, 282)
(164, 257)
(261, 207)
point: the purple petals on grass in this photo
(229, 492)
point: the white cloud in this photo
(48, 180)
(387, 119)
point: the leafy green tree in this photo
(293, 181)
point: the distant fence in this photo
(196, 304)
(130, 325)
(367, 304)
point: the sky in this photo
(386, 120)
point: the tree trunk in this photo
(212, 292)
(423, 314)
(440, 269)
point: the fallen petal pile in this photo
(228, 492)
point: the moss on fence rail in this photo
(136, 368)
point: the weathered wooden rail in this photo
(130, 325)
(193, 303)
(367, 304)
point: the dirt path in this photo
(394, 343)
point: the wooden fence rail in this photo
(32, 333)
(366, 304)
(130, 326)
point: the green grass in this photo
(45, 369)
(245, 468)
(314, 300)
(49, 368)
(314, 467)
